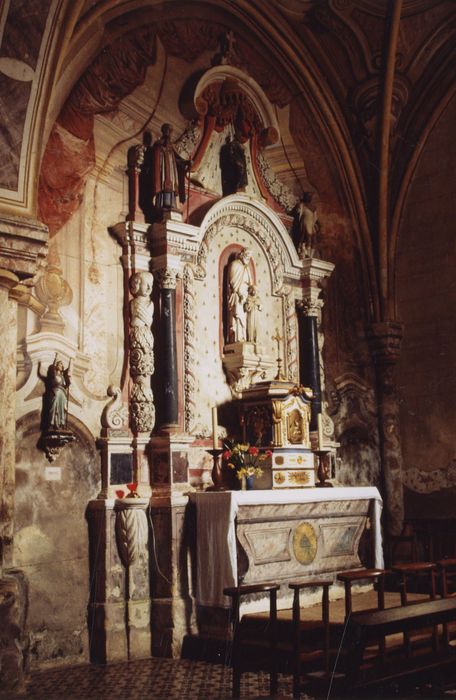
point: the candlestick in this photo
(323, 469)
(214, 427)
(320, 431)
(217, 476)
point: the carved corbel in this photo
(132, 532)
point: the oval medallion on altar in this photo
(305, 543)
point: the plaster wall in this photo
(51, 542)
(427, 305)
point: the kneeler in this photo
(415, 571)
(310, 640)
(253, 649)
(290, 645)
(357, 576)
(446, 569)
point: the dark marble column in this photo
(309, 356)
(168, 351)
(386, 340)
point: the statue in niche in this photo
(308, 226)
(55, 400)
(251, 308)
(239, 281)
(169, 171)
(233, 165)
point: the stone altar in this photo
(279, 536)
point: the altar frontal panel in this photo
(294, 541)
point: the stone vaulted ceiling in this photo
(364, 81)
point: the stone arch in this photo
(264, 226)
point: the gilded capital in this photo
(167, 278)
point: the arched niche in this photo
(234, 223)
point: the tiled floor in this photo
(174, 679)
(169, 679)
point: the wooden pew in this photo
(365, 629)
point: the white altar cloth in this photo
(216, 533)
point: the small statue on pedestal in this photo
(251, 307)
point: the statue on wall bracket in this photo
(54, 416)
(307, 226)
(156, 178)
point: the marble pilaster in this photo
(168, 354)
(119, 606)
(173, 608)
(23, 245)
(8, 323)
(309, 305)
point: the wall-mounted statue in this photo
(233, 165)
(168, 172)
(54, 416)
(55, 400)
(308, 226)
(239, 280)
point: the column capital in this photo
(310, 306)
(385, 340)
(167, 277)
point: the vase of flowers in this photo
(245, 460)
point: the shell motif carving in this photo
(132, 534)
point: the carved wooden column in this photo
(169, 404)
(136, 393)
(386, 340)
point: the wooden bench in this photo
(365, 629)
